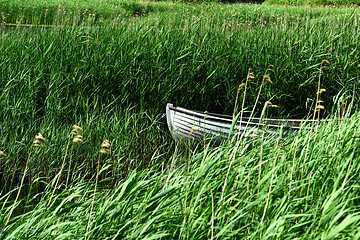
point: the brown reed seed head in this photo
(241, 86)
(324, 67)
(318, 107)
(76, 130)
(38, 140)
(254, 134)
(282, 147)
(2, 154)
(324, 64)
(77, 139)
(192, 130)
(250, 75)
(269, 104)
(321, 90)
(268, 79)
(37, 143)
(105, 145)
(39, 137)
(270, 68)
(104, 151)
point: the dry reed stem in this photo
(187, 188)
(62, 167)
(77, 140)
(212, 215)
(92, 203)
(105, 145)
(316, 110)
(70, 160)
(261, 155)
(76, 130)
(249, 76)
(171, 165)
(18, 193)
(237, 96)
(38, 140)
(267, 105)
(268, 197)
(246, 126)
(292, 167)
(348, 169)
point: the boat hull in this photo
(195, 125)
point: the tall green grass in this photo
(114, 76)
(308, 188)
(192, 56)
(106, 77)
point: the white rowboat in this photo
(189, 124)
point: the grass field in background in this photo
(315, 2)
(52, 12)
(112, 67)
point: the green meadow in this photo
(85, 154)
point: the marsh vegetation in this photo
(110, 69)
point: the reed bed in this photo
(113, 75)
(196, 56)
(308, 188)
